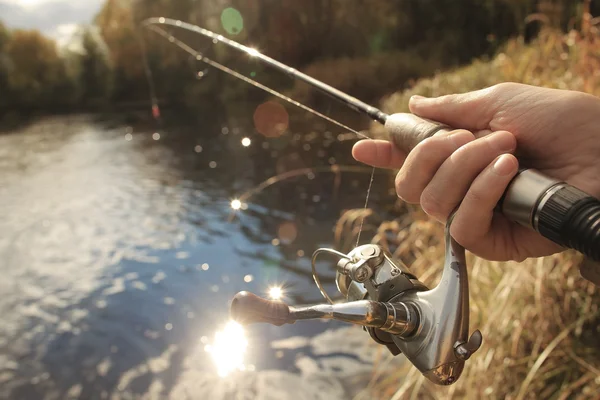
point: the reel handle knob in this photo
(248, 308)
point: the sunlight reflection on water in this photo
(228, 349)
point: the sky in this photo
(55, 18)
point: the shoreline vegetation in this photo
(540, 319)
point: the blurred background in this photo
(140, 190)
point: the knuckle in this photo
(475, 196)
(463, 154)
(424, 149)
(504, 87)
(460, 231)
(430, 204)
(403, 189)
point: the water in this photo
(120, 252)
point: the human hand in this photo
(554, 131)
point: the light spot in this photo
(139, 285)
(156, 136)
(275, 292)
(271, 119)
(306, 147)
(287, 232)
(248, 278)
(300, 253)
(253, 52)
(205, 267)
(316, 198)
(310, 175)
(275, 242)
(228, 349)
(159, 276)
(128, 137)
(224, 130)
(225, 279)
(246, 142)
(169, 326)
(236, 204)
(214, 288)
(169, 300)
(200, 74)
(212, 164)
(198, 149)
(161, 20)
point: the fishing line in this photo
(151, 24)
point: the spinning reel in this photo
(430, 326)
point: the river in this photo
(120, 251)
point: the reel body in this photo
(429, 326)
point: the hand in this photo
(554, 131)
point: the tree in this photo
(96, 77)
(4, 66)
(35, 70)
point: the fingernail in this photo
(503, 141)
(504, 165)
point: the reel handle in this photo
(248, 308)
(397, 318)
(558, 211)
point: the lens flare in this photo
(232, 21)
(228, 349)
(236, 204)
(271, 119)
(275, 292)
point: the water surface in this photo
(120, 252)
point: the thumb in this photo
(472, 110)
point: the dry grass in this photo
(556, 60)
(539, 318)
(540, 321)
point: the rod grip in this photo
(248, 308)
(406, 130)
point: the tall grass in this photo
(540, 319)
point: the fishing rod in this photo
(430, 326)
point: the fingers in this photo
(472, 110)
(378, 153)
(452, 180)
(424, 160)
(472, 224)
